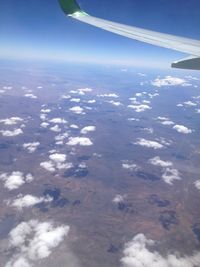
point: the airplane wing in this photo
(185, 45)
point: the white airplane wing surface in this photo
(182, 44)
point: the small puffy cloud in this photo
(8, 133)
(170, 175)
(115, 103)
(128, 165)
(74, 126)
(167, 123)
(45, 110)
(139, 108)
(28, 201)
(58, 158)
(198, 111)
(44, 124)
(197, 184)
(138, 94)
(31, 147)
(92, 101)
(161, 163)
(149, 130)
(77, 110)
(56, 129)
(61, 137)
(142, 74)
(153, 95)
(48, 166)
(169, 81)
(33, 241)
(133, 119)
(140, 252)
(88, 129)
(11, 121)
(82, 91)
(58, 121)
(65, 96)
(149, 143)
(43, 117)
(32, 96)
(182, 129)
(57, 162)
(15, 179)
(118, 199)
(162, 118)
(82, 141)
(76, 100)
(190, 104)
(109, 95)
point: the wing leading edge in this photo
(185, 45)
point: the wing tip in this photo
(70, 7)
(190, 63)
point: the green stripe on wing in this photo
(70, 7)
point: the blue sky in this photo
(39, 29)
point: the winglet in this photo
(70, 7)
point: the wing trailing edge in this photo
(181, 44)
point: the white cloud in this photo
(58, 158)
(109, 95)
(77, 110)
(197, 184)
(129, 165)
(56, 129)
(88, 129)
(114, 103)
(57, 162)
(82, 141)
(140, 252)
(168, 123)
(43, 117)
(198, 111)
(45, 110)
(48, 166)
(82, 91)
(28, 201)
(182, 129)
(118, 199)
(190, 104)
(15, 179)
(65, 96)
(33, 241)
(31, 147)
(13, 133)
(76, 100)
(142, 74)
(92, 101)
(44, 124)
(169, 81)
(30, 96)
(153, 95)
(11, 121)
(161, 163)
(139, 108)
(61, 137)
(162, 118)
(74, 126)
(149, 143)
(171, 175)
(58, 121)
